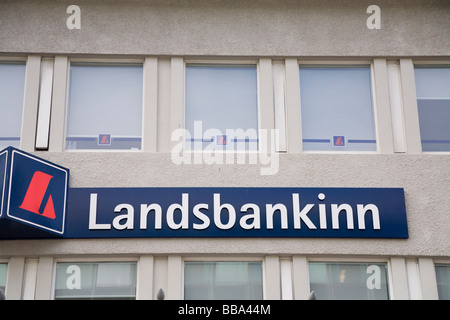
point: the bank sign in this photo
(33, 193)
(200, 212)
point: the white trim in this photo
(410, 110)
(287, 292)
(59, 104)
(9, 194)
(45, 104)
(396, 104)
(412, 273)
(30, 279)
(279, 98)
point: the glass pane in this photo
(12, 84)
(336, 109)
(348, 281)
(433, 102)
(221, 107)
(107, 280)
(443, 281)
(3, 271)
(105, 107)
(223, 280)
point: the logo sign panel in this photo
(35, 192)
(339, 141)
(3, 168)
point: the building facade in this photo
(180, 98)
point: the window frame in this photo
(430, 64)
(437, 262)
(223, 259)
(361, 260)
(5, 261)
(344, 63)
(19, 60)
(225, 62)
(103, 62)
(94, 260)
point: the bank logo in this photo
(37, 192)
(222, 140)
(34, 197)
(339, 141)
(104, 139)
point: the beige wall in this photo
(164, 34)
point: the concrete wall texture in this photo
(227, 28)
(262, 29)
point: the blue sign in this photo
(236, 212)
(37, 203)
(34, 191)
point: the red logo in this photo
(222, 140)
(35, 195)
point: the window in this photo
(223, 280)
(433, 102)
(336, 108)
(348, 281)
(3, 271)
(443, 281)
(12, 84)
(105, 106)
(221, 107)
(106, 280)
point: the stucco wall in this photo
(424, 177)
(227, 28)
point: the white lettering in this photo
(74, 21)
(93, 225)
(256, 224)
(177, 154)
(374, 21)
(301, 215)
(322, 212)
(74, 280)
(335, 210)
(145, 209)
(361, 209)
(184, 209)
(178, 215)
(218, 212)
(201, 216)
(374, 280)
(128, 217)
(270, 210)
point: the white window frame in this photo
(260, 97)
(427, 63)
(94, 260)
(354, 260)
(105, 62)
(21, 60)
(5, 261)
(375, 110)
(224, 259)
